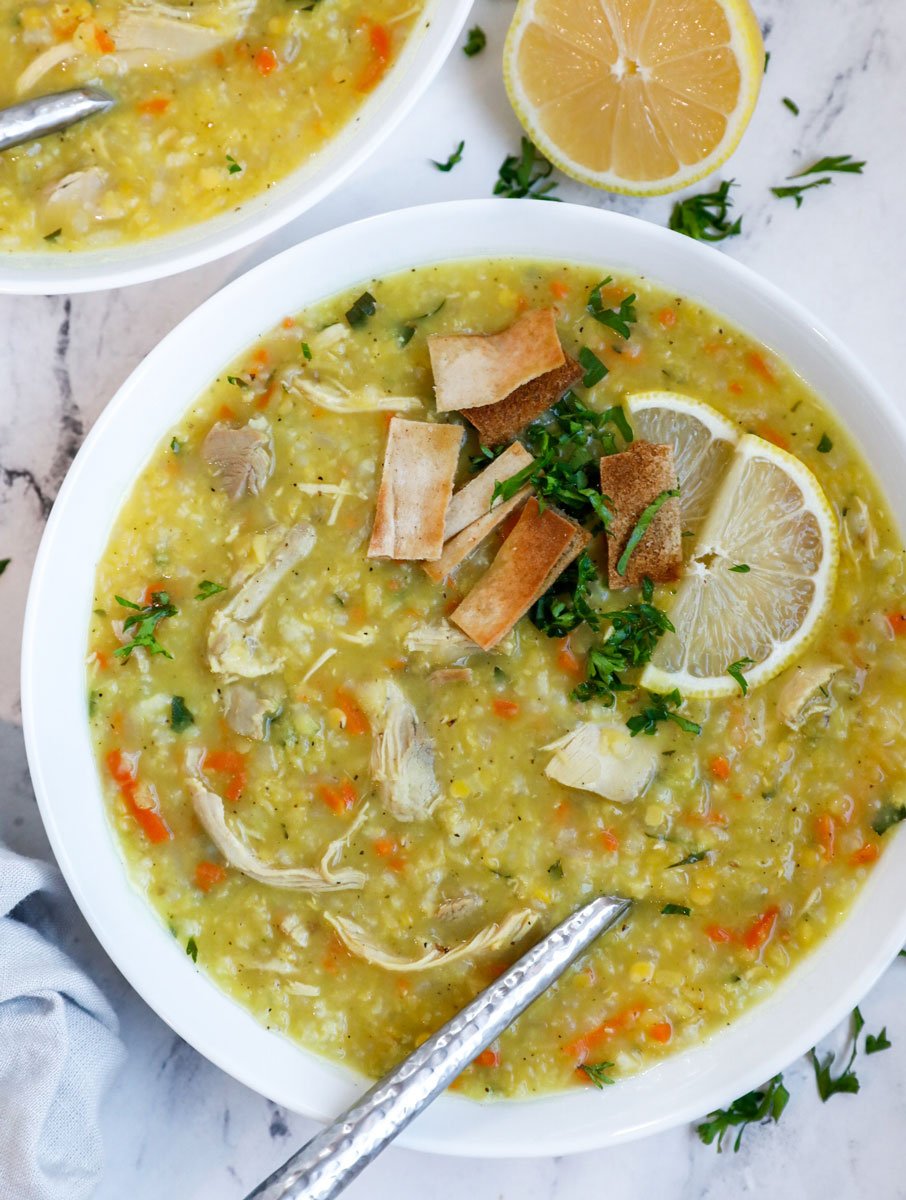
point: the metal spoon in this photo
(324, 1167)
(49, 114)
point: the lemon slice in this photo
(702, 441)
(771, 516)
(638, 96)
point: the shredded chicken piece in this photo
(301, 989)
(804, 693)
(319, 663)
(446, 644)
(325, 878)
(402, 756)
(243, 458)
(335, 397)
(447, 675)
(493, 937)
(295, 929)
(458, 906)
(234, 645)
(78, 192)
(603, 758)
(858, 532)
(246, 712)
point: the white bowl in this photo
(814, 998)
(432, 38)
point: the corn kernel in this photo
(460, 789)
(259, 547)
(654, 815)
(210, 178)
(641, 971)
(336, 718)
(701, 895)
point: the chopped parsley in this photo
(567, 605)
(765, 1104)
(642, 525)
(736, 670)
(676, 910)
(233, 167)
(741, 568)
(208, 588)
(696, 856)
(834, 162)
(145, 621)
(236, 381)
(887, 816)
(782, 193)
(454, 158)
(847, 1082)
(180, 717)
(661, 708)
(306, 351)
(876, 1042)
(475, 42)
(4, 563)
(593, 367)
(52, 237)
(406, 333)
(555, 870)
(634, 633)
(192, 949)
(617, 319)
(706, 217)
(825, 445)
(791, 105)
(361, 310)
(176, 446)
(525, 175)
(598, 1073)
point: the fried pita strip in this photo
(541, 546)
(416, 486)
(505, 420)
(474, 499)
(460, 547)
(632, 480)
(472, 370)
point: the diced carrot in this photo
(102, 659)
(505, 708)
(566, 659)
(208, 875)
(770, 434)
(104, 41)
(265, 61)
(228, 762)
(333, 955)
(559, 289)
(488, 1058)
(864, 855)
(373, 73)
(735, 387)
(154, 105)
(403, 986)
(148, 593)
(562, 810)
(667, 317)
(825, 828)
(219, 59)
(661, 1031)
(609, 840)
(123, 769)
(717, 933)
(261, 356)
(720, 767)
(759, 932)
(581, 1046)
(356, 721)
(897, 622)
(288, 322)
(760, 365)
(264, 399)
(340, 797)
(225, 413)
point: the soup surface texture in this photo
(746, 847)
(216, 101)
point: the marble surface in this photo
(175, 1125)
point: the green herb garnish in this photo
(847, 1081)
(233, 167)
(475, 42)
(52, 237)
(767, 59)
(876, 1042)
(706, 217)
(796, 193)
(766, 1104)
(741, 568)
(4, 563)
(192, 949)
(635, 631)
(180, 717)
(406, 333)
(695, 857)
(524, 175)
(660, 708)
(825, 445)
(145, 621)
(208, 588)
(598, 1073)
(642, 525)
(791, 105)
(555, 870)
(566, 605)
(236, 381)
(176, 446)
(455, 157)
(617, 319)
(676, 910)
(361, 310)
(736, 670)
(835, 162)
(306, 351)
(888, 815)
(593, 367)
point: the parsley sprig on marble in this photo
(839, 163)
(706, 217)
(763, 1104)
(526, 175)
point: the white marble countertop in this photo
(174, 1124)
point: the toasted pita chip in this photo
(541, 546)
(632, 480)
(416, 486)
(460, 547)
(472, 370)
(474, 499)
(503, 421)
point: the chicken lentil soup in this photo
(216, 102)
(355, 793)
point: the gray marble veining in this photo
(175, 1125)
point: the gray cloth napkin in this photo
(58, 1043)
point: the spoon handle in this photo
(48, 114)
(334, 1157)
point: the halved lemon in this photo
(638, 96)
(760, 578)
(702, 440)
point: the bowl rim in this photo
(424, 54)
(772, 1032)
